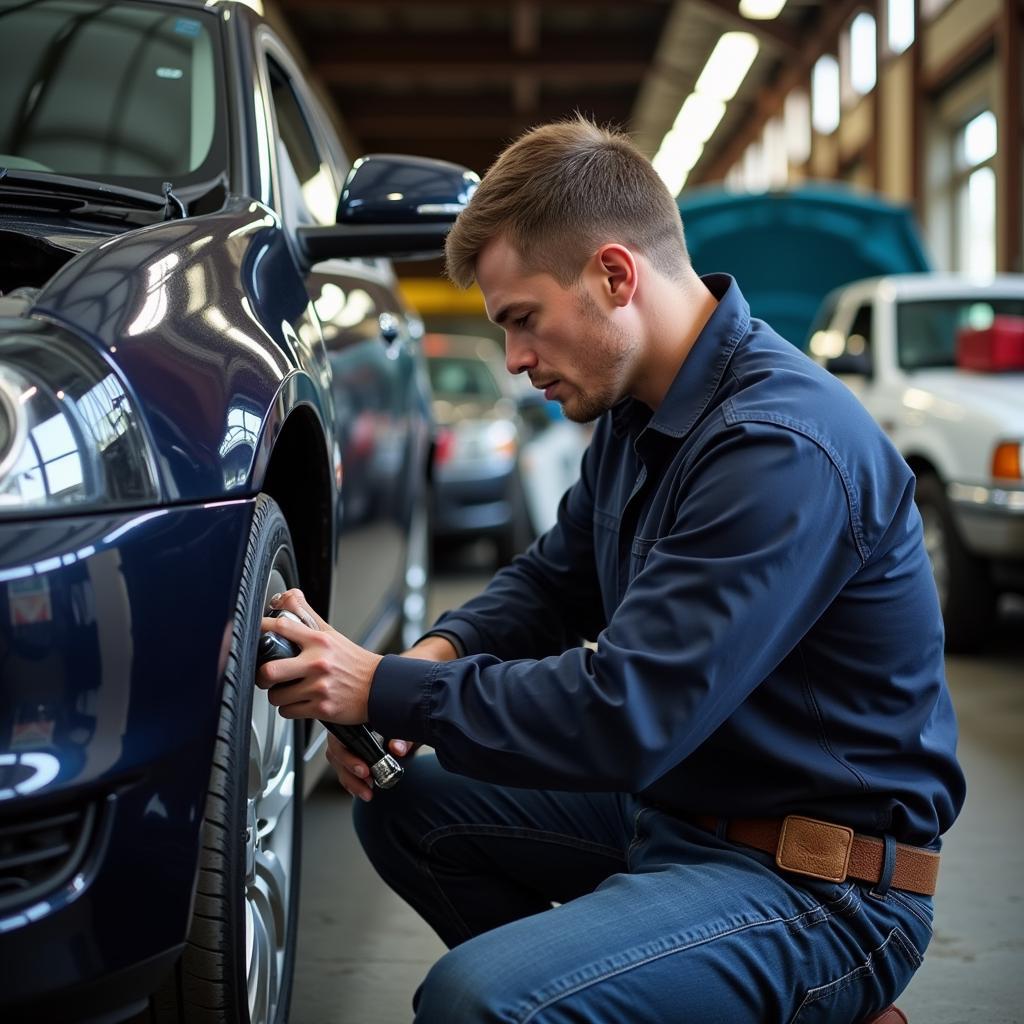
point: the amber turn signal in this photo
(1006, 461)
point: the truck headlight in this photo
(70, 438)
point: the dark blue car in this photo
(209, 392)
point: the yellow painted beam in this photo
(431, 296)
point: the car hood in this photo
(996, 395)
(201, 317)
(448, 411)
(787, 250)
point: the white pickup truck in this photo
(893, 341)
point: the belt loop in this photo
(721, 827)
(881, 890)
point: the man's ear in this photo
(617, 267)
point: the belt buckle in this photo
(814, 848)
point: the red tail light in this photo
(444, 445)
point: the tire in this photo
(247, 890)
(966, 595)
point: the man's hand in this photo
(323, 647)
(330, 679)
(353, 772)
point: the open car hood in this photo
(789, 249)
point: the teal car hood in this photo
(789, 249)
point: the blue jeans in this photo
(656, 920)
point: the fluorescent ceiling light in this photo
(699, 116)
(728, 65)
(761, 10)
(680, 150)
(674, 176)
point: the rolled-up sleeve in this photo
(758, 542)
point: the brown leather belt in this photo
(830, 852)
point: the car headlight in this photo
(70, 439)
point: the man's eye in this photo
(522, 321)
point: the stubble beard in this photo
(606, 361)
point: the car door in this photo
(366, 336)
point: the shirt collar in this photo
(702, 370)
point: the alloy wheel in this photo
(269, 846)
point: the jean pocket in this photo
(869, 987)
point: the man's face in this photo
(560, 336)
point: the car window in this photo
(469, 378)
(308, 192)
(826, 311)
(110, 90)
(858, 339)
(926, 331)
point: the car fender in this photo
(210, 325)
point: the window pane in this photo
(797, 117)
(306, 183)
(774, 142)
(979, 139)
(862, 53)
(978, 224)
(825, 95)
(900, 19)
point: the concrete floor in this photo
(362, 952)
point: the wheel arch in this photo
(921, 465)
(298, 479)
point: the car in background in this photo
(938, 360)
(209, 392)
(503, 457)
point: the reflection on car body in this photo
(209, 392)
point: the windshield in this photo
(455, 377)
(121, 92)
(926, 331)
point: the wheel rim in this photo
(269, 846)
(935, 546)
(414, 604)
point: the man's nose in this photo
(518, 357)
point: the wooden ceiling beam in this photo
(289, 6)
(444, 108)
(420, 124)
(525, 26)
(471, 71)
(394, 51)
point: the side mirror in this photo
(397, 206)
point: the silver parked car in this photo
(503, 456)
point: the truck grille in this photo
(38, 853)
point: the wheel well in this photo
(297, 479)
(921, 466)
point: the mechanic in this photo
(728, 808)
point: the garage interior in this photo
(918, 102)
(221, 380)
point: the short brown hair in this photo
(558, 193)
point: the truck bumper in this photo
(990, 519)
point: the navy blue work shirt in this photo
(749, 560)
